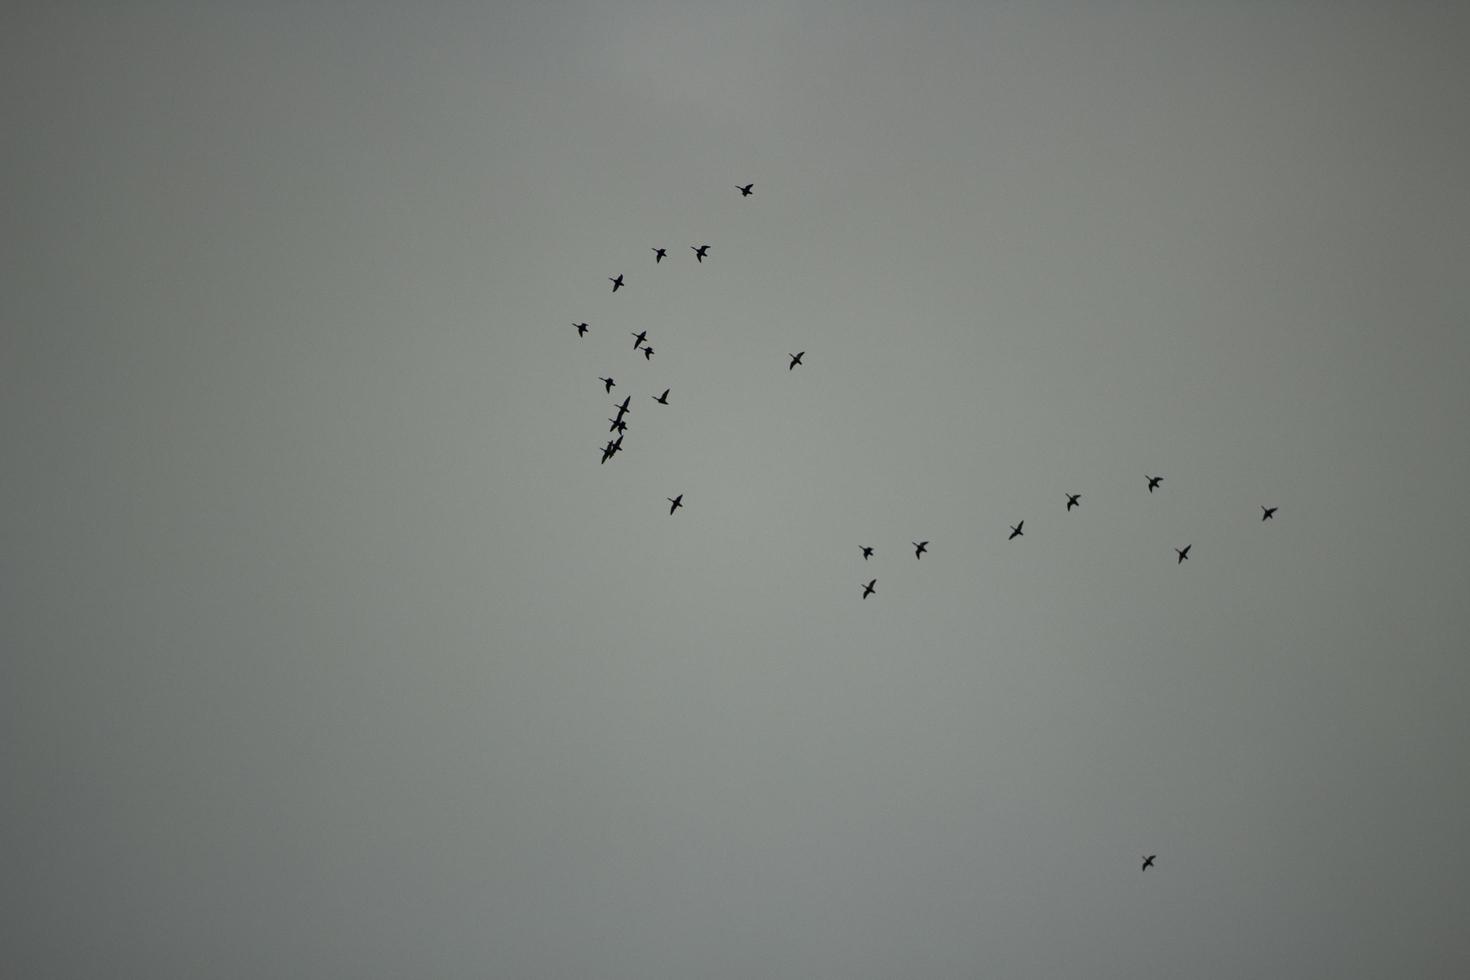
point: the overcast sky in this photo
(328, 648)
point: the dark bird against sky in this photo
(639, 338)
(795, 360)
(746, 190)
(1153, 481)
(869, 588)
(618, 425)
(675, 502)
(581, 329)
(1267, 513)
(648, 353)
(699, 251)
(919, 548)
(1072, 500)
(617, 282)
(658, 255)
(1183, 554)
(1148, 862)
(623, 409)
(1016, 530)
(661, 399)
(867, 552)
(609, 382)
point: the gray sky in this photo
(330, 650)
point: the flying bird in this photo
(1183, 555)
(745, 191)
(581, 329)
(616, 282)
(1267, 513)
(868, 589)
(661, 399)
(1072, 500)
(658, 255)
(648, 353)
(609, 382)
(639, 338)
(676, 502)
(1148, 862)
(867, 552)
(1016, 530)
(795, 360)
(623, 409)
(1153, 481)
(617, 425)
(607, 451)
(919, 548)
(699, 251)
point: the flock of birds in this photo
(620, 426)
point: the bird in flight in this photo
(867, 552)
(795, 360)
(639, 338)
(676, 502)
(648, 353)
(869, 588)
(746, 190)
(658, 255)
(1267, 513)
(1153, 481)
(1148, 862)
(1183, 555)
(661, 399)
(623, 408)
(618, 425)
(1016, 530)
(919, 548)
(1072, 500)
(699, 251)
(609, 382)
(581, 329)
(611, 448)
(616, 282)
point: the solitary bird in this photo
(676, 502)
(658, 255)
(661, 399)
(1183, 555)
(639, 338)
(1016, 530)
(1072, 500)
(868, 589)
(699, 251)
(1153, 481)
(648, 353)
(618, 425)
(581, 329)
(867, 552)
(745, 191)
(919, 548)
(1148, 862)
(623, 409)
(1267, 513)
(616, 282)
(609, 382)
(795, 360)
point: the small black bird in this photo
(1148, 862)
(677, 502)
(1267, 513)
(868, 589)
(1016, 530)
(639, 338)
(795, 360)
(648, 353)
(617, 425)
(609, 382)
(658, 255)
(1072, 500)
(867, 552)
(616, 282)
(919, 548)
(623, 409)
(661, 399)
(1183, 555)
(581, 329)
(744, 191)
(607, 451)
(1153, 481)
(699, 251)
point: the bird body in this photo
(699, 252)
(919, 548)
(658, 255)
(609, 383)
(675, 502)
(1183, 554)
(1148, 862)
(639, 338)
(616, 281)
(581, 329)
(618, 425)
(869, 588)
(648, 353)
(661, 399)
(746, 190)
(1016, 530)
(1073, 500)
(1268, 513)
(623, 409)
(795, 360)
(1153, 481)
(867, 552)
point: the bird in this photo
(658, 255)
(618, 445)
(919, 548)
(623, 408)
(648, 353)
(795, 360)
(1072, 500)
(1268, 513)
(867, 552)
(609, 382)
(607, 451)
(744, 191)
(676, 502)
(1148, 862)
(1183, 555)
(699, 251)
(868, 589)
(639, 338)
(1153, 481)
(661, 399)
(1016, 530)
(617, 424)
(616, 282)
(581, 329)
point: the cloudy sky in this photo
(328, 648)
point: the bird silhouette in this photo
(617, 425)
(639, 338)
(609, 382)
(1153, 481)
(795, 360)
(617, 283)
(699, 251)
(1183, 555)
(867, 552)
(608, 450)
(658, 255)
(1072, 500)
(746, 190)
(919, 548)
(661, 399)
(648, 353)
(868, 589)
(1148, 862)
(675, 502)
(1016, 530)
(1267, 513)
(623, 409)
(581, 329)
